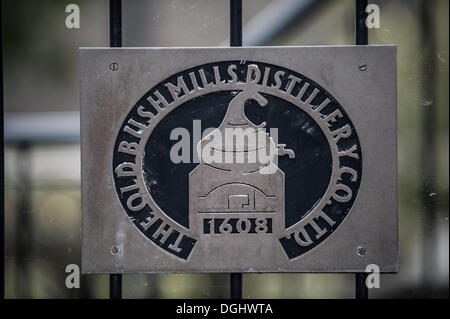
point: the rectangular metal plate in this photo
(324, 200)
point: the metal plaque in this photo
(263, 159)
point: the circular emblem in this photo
(237, 148)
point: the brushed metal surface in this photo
(369, 99)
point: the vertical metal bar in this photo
(361, 290)
(361, 38)
(236, 286)
(115, 286)
(2, 171)
(236, 41)
(115, 40)
(236, 23)
(429, 162)
(23, 228)
(115, 23)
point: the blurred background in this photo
(42, 152)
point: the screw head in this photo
(114, 66)
(115, 250)
(362, 67)
(361, 251)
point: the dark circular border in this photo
(335, 209)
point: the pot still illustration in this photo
(237, 188)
